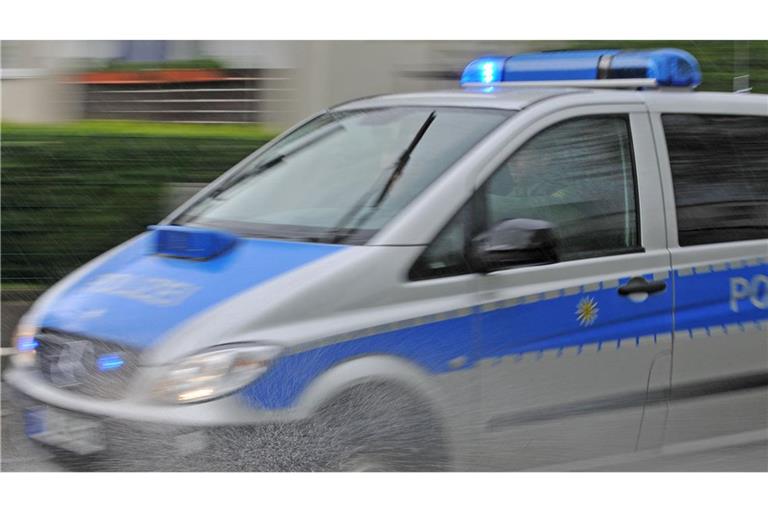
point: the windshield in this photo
(343, 175)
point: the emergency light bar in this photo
(668, 67)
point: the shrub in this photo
(70, 192)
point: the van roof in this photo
(518, 98)
(500, 97)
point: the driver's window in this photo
(578, 175)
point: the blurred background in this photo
(101, 138)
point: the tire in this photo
(379, 427)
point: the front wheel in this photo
(379, 427)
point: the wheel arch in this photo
(373, 369)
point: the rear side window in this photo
(720, 176)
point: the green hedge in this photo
(70, 192)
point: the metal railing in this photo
(241, 96)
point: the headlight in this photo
(26, 346)
(214, 373)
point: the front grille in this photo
(86, 366)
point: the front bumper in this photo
(122, 435)
(231, 410)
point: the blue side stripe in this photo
(535, 327)
(430, 346)
(529, 327)
(704, 299)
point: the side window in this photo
(720, 176)
(578, 175)
(445, 256)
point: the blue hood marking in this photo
(135, 297)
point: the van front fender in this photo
(367, 370)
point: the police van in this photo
(561, 264)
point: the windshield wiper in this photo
(402, 161)
(339, 233)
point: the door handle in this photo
(640, 285)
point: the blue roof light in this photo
(109, 362)
(534, 67)
(669, 67)
(484, 71)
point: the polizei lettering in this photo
(755, 290)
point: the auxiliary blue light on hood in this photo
(191, 243)
(109, 362)
(26, 343)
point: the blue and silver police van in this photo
(559, 264)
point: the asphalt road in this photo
(17, 453)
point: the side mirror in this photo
(514, 243)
